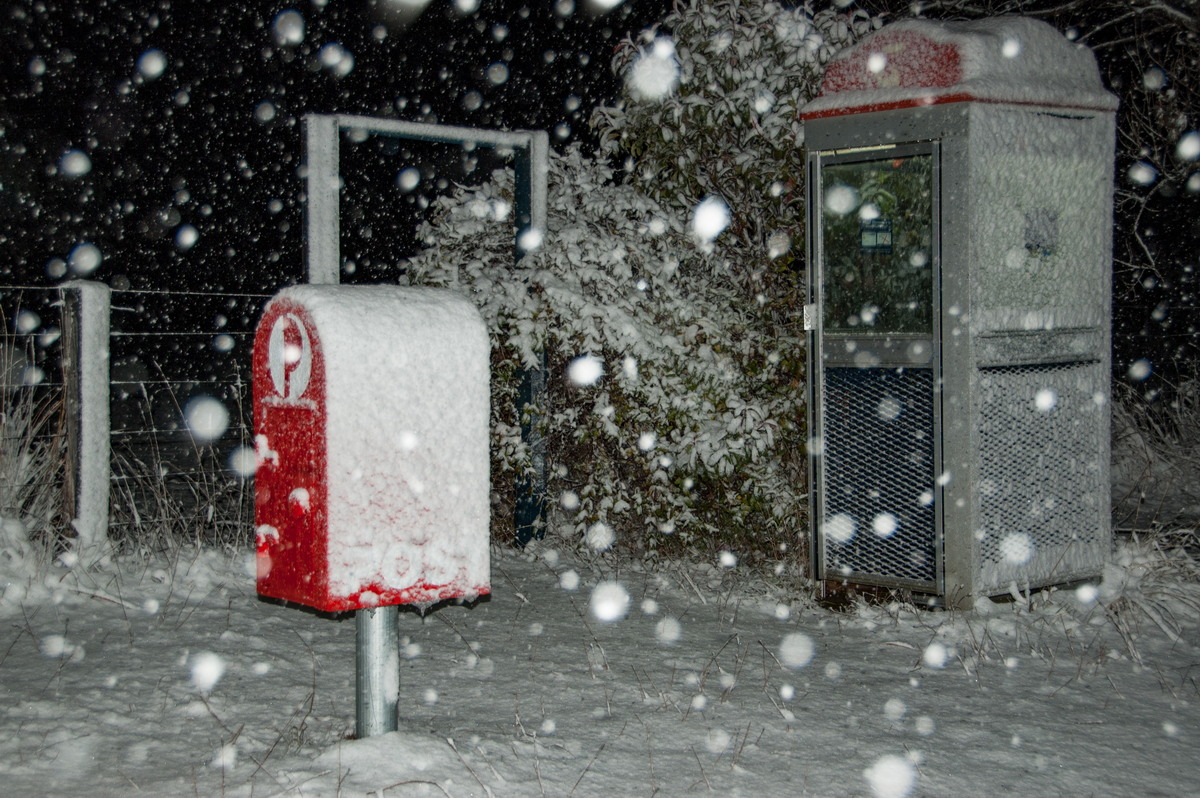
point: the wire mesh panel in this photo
(1040, 479)
(879, 523)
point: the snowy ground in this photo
(715, 682)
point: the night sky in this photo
(189, 113)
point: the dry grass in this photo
(1154, 578)
(33, 517)
(1156, 458)
(159, 505)
(1154, 582)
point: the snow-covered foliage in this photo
(1153, 581)
(732, 127)
(681, 290)
(673, 405)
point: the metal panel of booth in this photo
(1041, 517)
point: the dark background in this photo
(192, 147)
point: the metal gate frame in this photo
(531, 149)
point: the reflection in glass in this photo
(877, 219)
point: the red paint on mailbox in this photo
(290, 500)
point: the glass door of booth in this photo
(874, 320)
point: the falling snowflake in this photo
(585, 370)
(600, 537)
(1016, 548)
(884, 525)
(1139, 370)
(206, 418)
(1046, 399)
(152, 64)
(207, 670)
(668, 631)
(935, 655)
(655, 72)
(610, 601)
(710, 219)
(841, 199)
(84, 259)
(1142, 173)
(796, 650)
(1188, 148)
(891, 777)
(186, 237)
(840, 528)
(288, 28)
(75, 163)
(408, 179)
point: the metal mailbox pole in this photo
(377, 670)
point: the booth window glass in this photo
(878, 246)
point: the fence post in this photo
(85, 361)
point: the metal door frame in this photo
(814, 325)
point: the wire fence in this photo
(170, 349)
(167, 349)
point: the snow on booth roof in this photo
(923, 62)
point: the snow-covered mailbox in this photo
(960, 195)
(371, 429)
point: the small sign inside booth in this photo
(371, 430)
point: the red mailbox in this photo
(371, 428)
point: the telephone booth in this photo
(960, 205)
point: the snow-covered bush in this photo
(694, 429)
(1153, 581)
(675, 411)
(731, 128)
